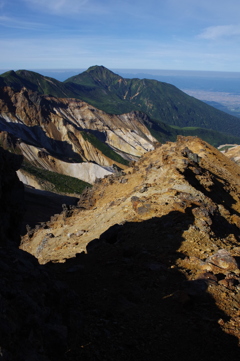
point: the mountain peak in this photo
(94, 67)
(95, 76)
(101, 70)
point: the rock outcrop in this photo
(189, 174)
(153, 253)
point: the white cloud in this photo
(220, 31)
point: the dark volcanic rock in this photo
(39, 317)
(223, 260)
(11, 197)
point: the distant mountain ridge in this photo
(161, 101)
(36, 82)
(116, 95)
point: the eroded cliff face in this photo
(233, 153)
(72, 131)
(156, 251)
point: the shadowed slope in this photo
(159, 278)
(138, 304)
(156, 249)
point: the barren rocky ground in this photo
(152, 257)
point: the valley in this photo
(226, 102)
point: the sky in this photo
(138, 34)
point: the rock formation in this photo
(70, 136)
(153, 254)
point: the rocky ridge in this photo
(153, 253)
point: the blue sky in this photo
(137, 34)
